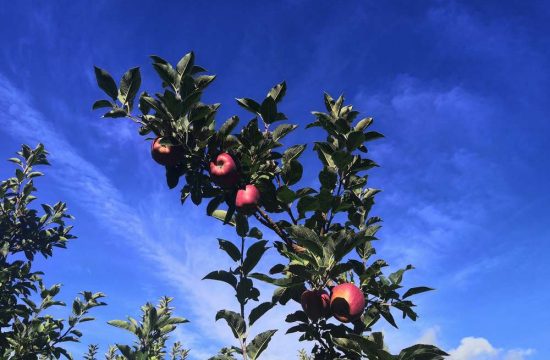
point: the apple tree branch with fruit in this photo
(324, 235)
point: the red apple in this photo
(166, 155)
(316, 304)
(224, 171)
(247, 199)
(347, 302)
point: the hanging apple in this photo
(347, 302)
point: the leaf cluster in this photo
(152, 332)
(26, 330)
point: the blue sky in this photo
(460, 89)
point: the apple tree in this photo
(252, 182)
(26, 330)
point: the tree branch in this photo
(268, 221)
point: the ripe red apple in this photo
(316, 304)
(247, 199)
(224, 171)
(166, 155)
(347, 302)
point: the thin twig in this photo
(289, 211)
(273, 226)
(242, 275)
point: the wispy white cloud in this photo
(478, 348)
(436, 172)
(469, 348)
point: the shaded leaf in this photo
(222, 275)
(278, 92)
(253, 255)
(102, 104)
(249, 105)
(231, 249)
(268, 110)
(234, 320)
(259, 344)
(106, 82)
(259, 311)
(282, 130)
(129, 85)
(416, 290)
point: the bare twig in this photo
(268, 221)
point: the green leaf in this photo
(268, 110)
(259, 311)
(324, 152)
(166, 73)
(342, 159)
(293, 152)
(282, 130)
(185, 65)
(328, 178)
(246, 291)
(229, 125)
(347, 344)
(213, 204)
(255, 233)
(307, 238)
(221, 215)
(253, 255)
(354, 140)
(203, 81)
(285, 195)
(230, 248)
(172, 177)
(129, 86)
(302, 232)
(362, 124)
(422, 352)
(249, 105)
(307, 203)
(115, 113)
(242, 224)
(416, 290)
(278, 92)
(102, 104)
(158, 59)
(234, 320)
(386, 314)
(259, 344)
(397, 276)
(222, 275)
(292, 172)
(373, 135)
(126, 325)
(297, 316)
(329, 101)
(106, 82)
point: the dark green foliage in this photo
(26, 331)
(25, 232)
(324, 235)
(152, 332)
